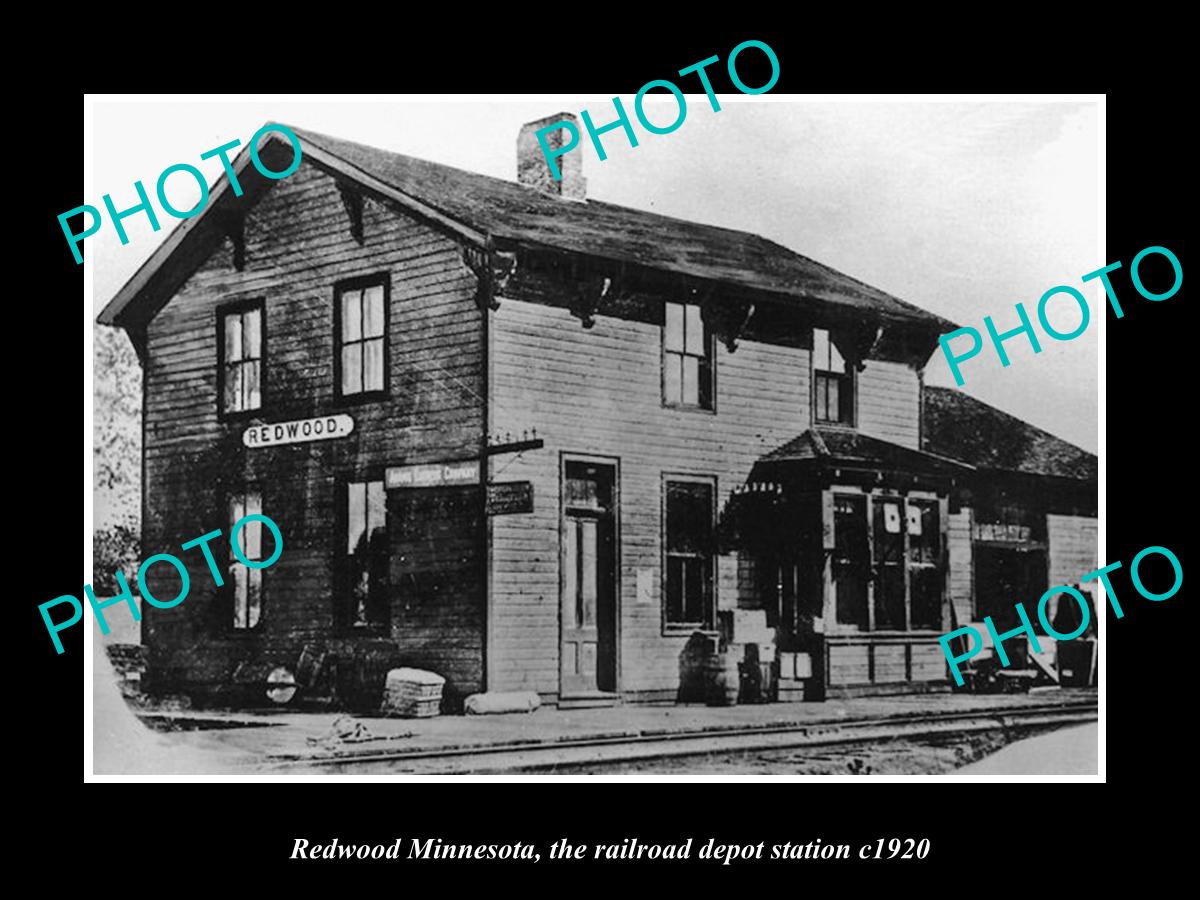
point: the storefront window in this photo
(889, 564)
(851, 559)
(872, 551)
(924, 564)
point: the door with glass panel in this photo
(588, 566)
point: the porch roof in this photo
(840, 447)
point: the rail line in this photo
(536, 756)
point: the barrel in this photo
(721, 680)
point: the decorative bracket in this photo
(233, 225)
(739, 323)
(859, 345)
(493, 270)
(591, 294)
(353, 201)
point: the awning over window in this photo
(780, 500)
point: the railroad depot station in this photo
(534, 442)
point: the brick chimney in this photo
(532, 167)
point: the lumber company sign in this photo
(449, 474)
(298, 431)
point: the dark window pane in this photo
(674, 589)
(925, 585)
(689, 517)
(850, 529)
(845, 405)
(889, 598)
(706, 383)
(889, 537)
(851, 586)
(688, 588)
(693, 593)
(851, 559)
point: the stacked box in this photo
(412, 693)
(795, 665)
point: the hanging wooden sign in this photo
(509, 497)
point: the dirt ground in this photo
(933, 756)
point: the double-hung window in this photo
(361, 306)
(687, 358)
(246, 582)
(833, 382)
(688, 539)
(241, 364)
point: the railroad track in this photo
(544, 756)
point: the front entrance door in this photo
(589, 568)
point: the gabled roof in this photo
(957, 425)
(838, 446)
(477, 207)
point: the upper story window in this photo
(687, 358)
(833, 382)
(241, 348)
(361, 307)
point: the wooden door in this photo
(588, 652)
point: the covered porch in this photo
(843, 539)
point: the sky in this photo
(962, 208)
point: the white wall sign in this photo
(450, 474)
(298, 431)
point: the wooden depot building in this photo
(531, 441)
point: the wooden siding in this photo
(298, 244)
(889, 403)
(961, 584)
(598, 392)
(1073, 542)
(860, 661)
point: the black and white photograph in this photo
(467, 436)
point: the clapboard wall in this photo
(1073, 543)
(598, 392)
(297, 245)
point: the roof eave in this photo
(118, 310)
